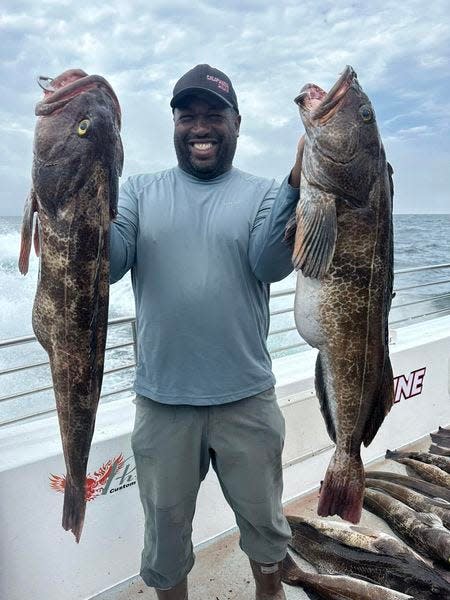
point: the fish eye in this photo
(366, 113)
(83, 126)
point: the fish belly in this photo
(307, 311)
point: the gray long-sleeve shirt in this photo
(202, 255)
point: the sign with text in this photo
(407, 386)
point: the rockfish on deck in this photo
(78, 159)
(413, 499)
(441, 439)
(443, 462)
(336, 587)
(344, 256)
(423, 531)
(413, 483)
(344, 549)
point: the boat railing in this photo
(26, 386)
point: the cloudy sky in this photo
(400, 51)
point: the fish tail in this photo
(291, 572)
(293, 575)
(438, 450)
(74, 508)
(342, 490)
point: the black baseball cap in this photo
(205, 79)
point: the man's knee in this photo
(168, 552)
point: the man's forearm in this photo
(123, 234)
(121, 259)
(269, 253)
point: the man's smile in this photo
(203, 149)
(204, 146)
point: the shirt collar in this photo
(214, 181)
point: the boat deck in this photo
(222, 572)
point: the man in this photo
(203, 241)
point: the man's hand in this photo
(294, 177)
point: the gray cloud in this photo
(400, 51)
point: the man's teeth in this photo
(203, 146)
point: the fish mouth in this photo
(321, 106)
(60, 90)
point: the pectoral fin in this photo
(114, 173)
(430, 519)
(391, 181)
(315, 237)
(27, 232)
(37, 237)
(113, 193)
(389, 546)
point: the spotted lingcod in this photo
(78, 159)
(344, 256)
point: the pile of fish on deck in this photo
(415, 506)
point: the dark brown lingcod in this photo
(423, 531)
(413, 499)
(429, 472)
(336, 547)
(413, 483)
(336, 587)
(78, 159)
(443, 462)
(344, 257)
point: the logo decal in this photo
(407, 387)
(222, 85)
(114, 475)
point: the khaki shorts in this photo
(173, 447)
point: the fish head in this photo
(343, 147)
(78, 127)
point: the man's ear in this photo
(238, 124)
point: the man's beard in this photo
(205, 169)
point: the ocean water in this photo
(419, 240)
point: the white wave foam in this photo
(9, 247)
